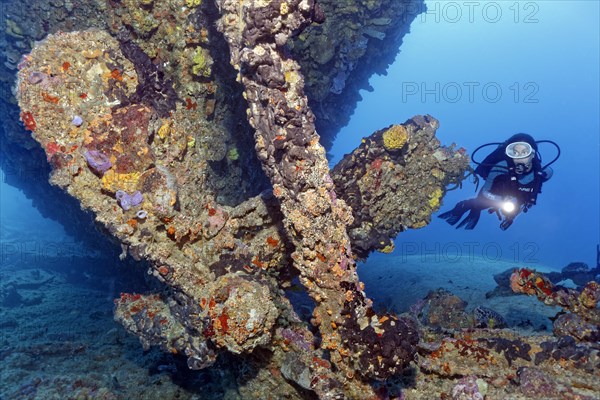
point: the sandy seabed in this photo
(397, 282)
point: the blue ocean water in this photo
(484, 70)
(488, 70)
(18, 215)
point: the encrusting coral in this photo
(583, 320)
(395, 137)
(394, 181)
(115, 164)
(315, 218)
(136, 144)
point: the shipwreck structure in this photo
(189, 134)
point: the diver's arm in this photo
(490, 196)
(492, 199)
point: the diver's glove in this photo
(510, 209)
(504, 225)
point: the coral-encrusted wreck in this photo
(144, 130)
(225, 265)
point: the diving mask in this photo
(519, 150)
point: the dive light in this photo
(509, 206)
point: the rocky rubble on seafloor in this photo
(581, 317)
(471, 360)
(142, 144)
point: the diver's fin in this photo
(471, 220)
(451, 217)
(456, 213)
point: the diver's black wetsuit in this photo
(502, 183)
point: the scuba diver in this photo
(513, 175)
